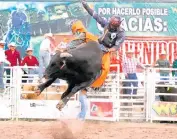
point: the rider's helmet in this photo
(114, 22)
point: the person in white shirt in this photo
(46, 51)
(2, 61)
(129, 65)
(62, 46)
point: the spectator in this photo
(30, 60)
(162, 62)
(46, 50)
(62, 46)
(13, 56)
(2, 61)
(174, 72)
(129, 65)
(84, 104)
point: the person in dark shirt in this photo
(110, 41)
(30, 60)
(13, 56)
(113, 35)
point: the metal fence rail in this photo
(110, 103)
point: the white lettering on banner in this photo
(154, 11)
(104, 11)
(139, 24)
(147, 52)
(131, 25)
(148, 25)
(126, 11)
(158, 25)
(134, 11)
(134, 19)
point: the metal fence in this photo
(110, 103)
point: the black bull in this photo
(79, 67)
(167, 98)
(164, 89)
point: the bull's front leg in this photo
(69, 93)
(61, 103)
(44, 85)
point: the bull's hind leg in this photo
(69, 93)
(61, 104)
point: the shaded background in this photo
(44, 17)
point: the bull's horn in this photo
(66, 55)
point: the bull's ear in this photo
(64, 55)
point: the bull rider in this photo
(110, 41)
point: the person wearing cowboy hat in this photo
(129, 66)
(47, 49)
(13, 56)
(2, 61)
(163, 62)
(30, 61)
(62, 46)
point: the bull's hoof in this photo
(60, 105)
(37, 91)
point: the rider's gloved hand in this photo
(83, 1)
(106, 50)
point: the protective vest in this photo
(108, 39)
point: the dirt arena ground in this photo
(88, 130)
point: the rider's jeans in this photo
(131, 76)
(84, 106)
(44, 58)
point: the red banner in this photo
(101, 109)
(146, 49)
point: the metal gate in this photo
(42, 109)
(7, 98)
(132, 107)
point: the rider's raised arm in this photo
(102, 21)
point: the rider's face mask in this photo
(76, 34)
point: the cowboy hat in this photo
(12, 44)
(29, 49)
(130, 51)
(2, 42)
(163, 53)
(48, 35)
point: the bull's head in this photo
(57, 65)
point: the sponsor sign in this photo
(164, 109)
(101, 109)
